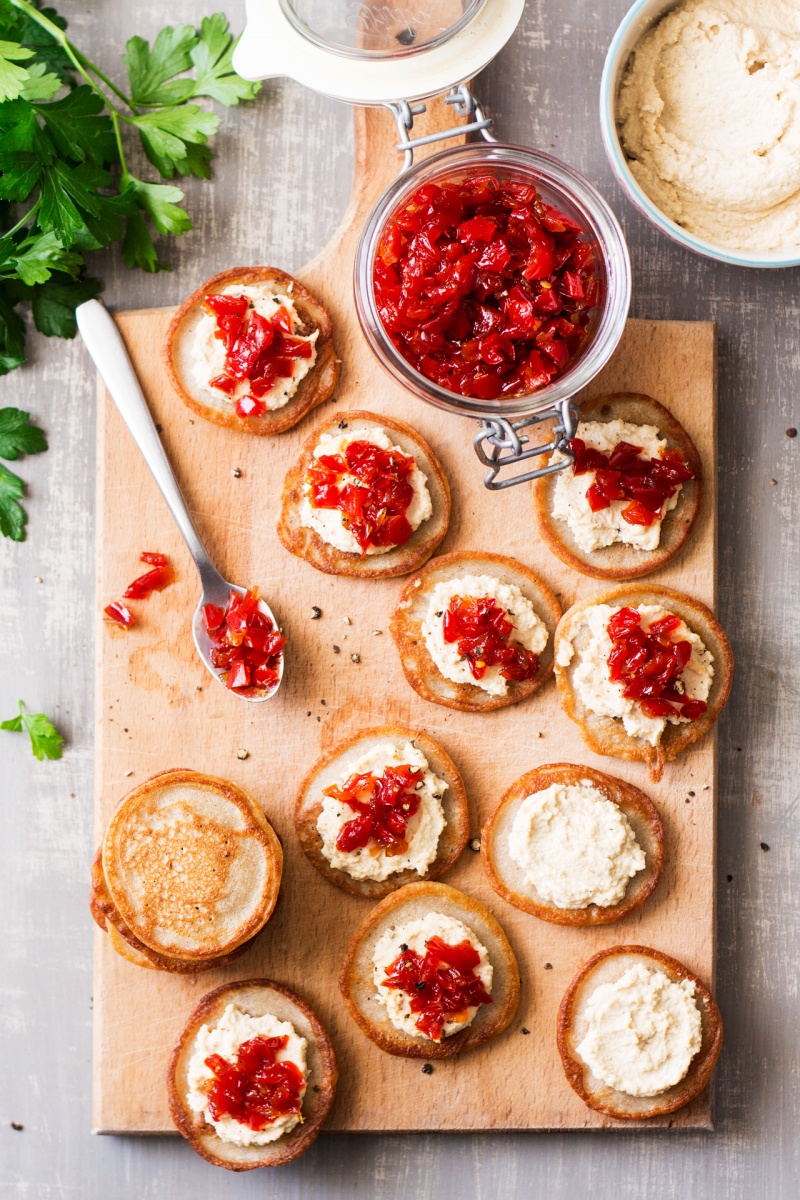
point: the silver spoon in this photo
(107, 349)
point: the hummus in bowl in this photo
(700, 110)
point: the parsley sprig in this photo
(46, 741)
(65, 184)
(18, 435)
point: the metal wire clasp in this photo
(464, 104)
(506, 446)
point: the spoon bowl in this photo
(218, 593)
(107, 349)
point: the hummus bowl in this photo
(641, 17)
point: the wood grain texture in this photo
(155, 701)
(283, 172)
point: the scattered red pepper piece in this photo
(151, 581)
(650, 664)
(117, 612)
(256, 1089)
(484, 288)
(440, 986)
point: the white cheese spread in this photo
(589, 640)
(528, 630)
(225, 1038)
(329, 523)
(208, 358)
(642, 1032)
(422, 831)
(593, 530)
(414, 934)
(575, 846)
(709, 115)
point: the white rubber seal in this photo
(271, 46)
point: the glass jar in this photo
(559, 186)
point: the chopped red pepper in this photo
(622, 475)
(485, 256)
(246, 646)
(384, 803)
(650, 664)
(371, 488)
(258, 349)
(153, 558)
(255, 1090)
(117, 612)
(151, 581)
(481, 629)
(441, 986)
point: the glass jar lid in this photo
(373, 51)
(360, 29)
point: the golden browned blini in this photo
(607, 967)
(191, 865)
(508, 878)
(306, 543)
(125, 950)
(604, 734)
(128, 946)
(256, 997)
(329, 769)
(619, 561)
(215, 406)
(408, 617)
(415, 901)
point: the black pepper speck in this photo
(427, 1069)
(764, 846)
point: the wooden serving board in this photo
(158, 708)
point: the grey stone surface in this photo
(281, 181)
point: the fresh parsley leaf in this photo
(160, 201)
(68, 194)
(79, 127)
(166, 131)
(12, 334)
(12, 515)
(137, 246)
(13, 78)
(18, 434)
(53, 303)
(46, 741)
(195, 161)
(42, 84)
(149, 70)
(19, 175)
(37, 257)
(211, 56)
(48, 51)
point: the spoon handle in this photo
(107, 349)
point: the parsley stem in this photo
(104, 78)
(126, 178)
(23, 220)
(79, 61)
